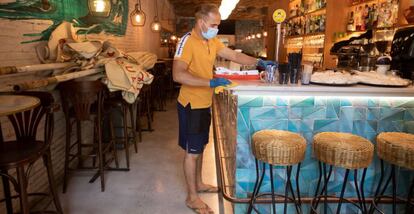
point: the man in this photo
(193, 68)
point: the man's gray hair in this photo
(204, 10)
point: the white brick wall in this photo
(12, 52)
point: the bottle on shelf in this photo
(351, 23)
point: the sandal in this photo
(205, 209)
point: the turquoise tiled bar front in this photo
(350, 111)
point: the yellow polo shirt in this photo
(200, 58)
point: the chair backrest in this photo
(25, 124)
(80, 95)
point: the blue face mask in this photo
(211, 33)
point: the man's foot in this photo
(207, 188)
(198, 206)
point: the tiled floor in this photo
(155, 183)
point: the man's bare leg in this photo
(193, 200)
(200, 184)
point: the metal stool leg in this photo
(296, 202)
(249, 210)
(259, 185)
(324, 188)
(272, 188)
(409, 198)
(297, 186)
(362, 190)
(372, 208)
(394, 190)
(338, 210)
(357, 190)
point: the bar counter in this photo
(252, 106)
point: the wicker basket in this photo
(280, 148)
(396, 148)
(343, 150)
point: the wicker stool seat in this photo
(397, 149)
(343, 150)
(277, 148)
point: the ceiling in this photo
(245, 9)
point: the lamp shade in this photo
(100, 8)
(138, 16)
(156, 25)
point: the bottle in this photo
(394, 9)
(351, 23)
(358, 18)
(311, 25)
(307, 26)
(375, 16)
(322, 23)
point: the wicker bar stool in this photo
(342, 150)
(277, 148)
(397, 149)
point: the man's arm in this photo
(181, 75)
(237, 57)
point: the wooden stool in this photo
(83, 101)
(342, 150)
(116, 102)
(22, 153)
(277, 148)
(397, 149)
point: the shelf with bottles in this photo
(310, 25)
(302, 8)
(375, 15)
(355, 3)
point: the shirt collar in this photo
(194, 33)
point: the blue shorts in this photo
(194, 128)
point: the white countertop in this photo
(259, 88)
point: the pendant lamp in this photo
(101, 8)
(138, 16)
(156, 25)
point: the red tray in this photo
(238, 77)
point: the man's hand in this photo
(265, 63)
(219, 82)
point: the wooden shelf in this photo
(320, 10)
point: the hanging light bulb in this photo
(259, 35)
(249, 37)
(156, 25)
(173, 37)
(138, 16)
(253, 36)
(100, 8)
(265, 34)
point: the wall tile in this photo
(250, 101)
(302, 101)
